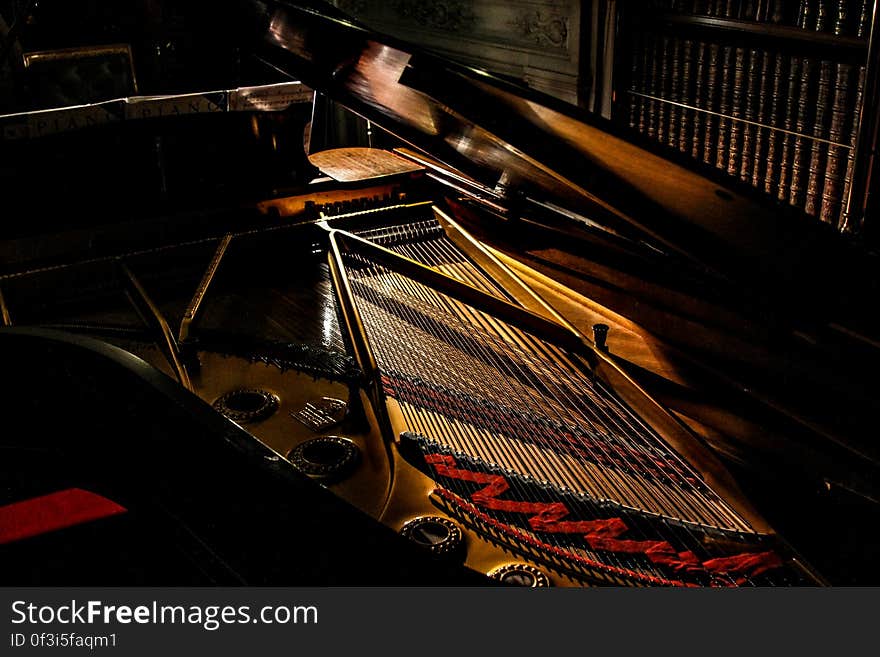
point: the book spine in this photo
(832, 190)
(686, 96)
(794, 74)
(675, 81)
(654, 85)
(760, 11)
(636, 80)
(663, 90)
(709, 134)
(737, 111)
(775, 138)
(645, 82)
(795, 108)
(822, 23)
(749, 130)
(724, 98)
(776, 12)
(864, 19)
(842, 16)
(797, 190)
(763, 116)
(818, 149)
(805, 14)
(861, 32)
(851, 158)
(699, 100)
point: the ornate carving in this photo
(447, 15)
(544, 30)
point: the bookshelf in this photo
(769, 93)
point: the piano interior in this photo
(379, 368)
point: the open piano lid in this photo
(530, 148)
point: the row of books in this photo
(783, 123)
(837, 16)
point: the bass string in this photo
(471, 451)
(461, 488)
(432, 252)
(502, 364)
(723, 519)
(433, 247)
(414, 320)
(469, 440)
(612, 484)
(446, 252)
(424, 259)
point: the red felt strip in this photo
(601, 534)
(663, 553)
(49, 513)
(559, 552)
(749, 563)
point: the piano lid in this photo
(531, 147)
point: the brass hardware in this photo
(439, 535)
(321, 414)
(327, 457)
(247, 405)
(521, 574)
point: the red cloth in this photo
(747, 563)
(556, 550)
(601, 534)
(48, 513)
(663, 553)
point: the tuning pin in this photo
(600, 335)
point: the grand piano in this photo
(369, 316)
